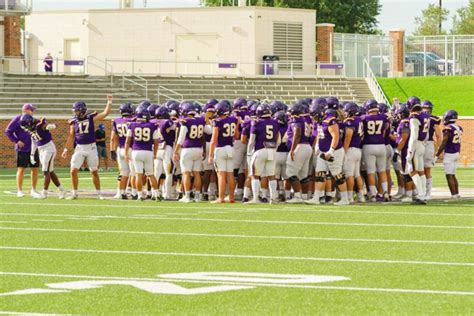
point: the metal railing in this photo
(373, 84)
(22, 65)
(169, 94)
(15, 7)
(143, 85)
(101, 64)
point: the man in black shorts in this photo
(101, 146)
(22, 141)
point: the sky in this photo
(394, 14)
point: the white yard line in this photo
(234, 256)
(368, 240)
(14, 222)
(298, 286)
(27, 313)
(47, 220)
(202, 206)
(253, 221)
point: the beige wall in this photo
(2, 39)
(242, 36)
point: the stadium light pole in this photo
(440, 16)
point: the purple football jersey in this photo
(84, 130)
(227, 126)
(282, 148)
(142, 134)
(167, 132)
(393, 131)
(246, 127)
(40, 135)
(374, 129)
(355, 123)
(195, 126)
(434, 120)
(120, 127)
(424, 120)
(243, 115)
(266, 133)
(453, 145)
(314, 132)
(306, 130)
(325, 138)
(403, 127)
(16, 133)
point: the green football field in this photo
(128, 257)
(446, 93)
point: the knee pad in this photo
(176, 178)
(162, 177)
(236, 173)
(319, 177)
(340, 179)
(119, 177)
(407, 178)
(293, 179)
(306, 180)
(329, 176)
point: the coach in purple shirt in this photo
(22, 141)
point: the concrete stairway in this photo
(54, 95)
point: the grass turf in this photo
(389, 252)
(445, 92)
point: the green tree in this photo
(349, 16)
(464, 24)
(428, 22)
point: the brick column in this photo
(324, 41)
(398, 49)
(12, 37)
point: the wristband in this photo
(65, 150)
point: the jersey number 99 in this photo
(142, 134)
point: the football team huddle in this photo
(314, 151)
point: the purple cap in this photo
(28, 106)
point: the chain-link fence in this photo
(352, 49)
(446, 55)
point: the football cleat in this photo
(135, 197)
(185, 199)
(245, 200)
(342, 202)
(218, 201)
(20, 194)
(418, 202)
(117, 196)
(205, 197)
(124, 197)
(72, 197)
(314, 201)
(62, 194)
(100, 197)
(35, 195)
(253, 201)
(295, 200)
(406, 199)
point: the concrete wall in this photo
(241, 35)
(2, 37)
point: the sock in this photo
(384, 187)
(409, 193)
(60, 188)
(401, 190)
(317, 194)
(417, 181)
(287, 194)
(122, 191)
(304, 196)
(343, 196)
(197, 196)
(255, 188)
(332, 194)
(238, 191)
(298, 195)
(44, 192)
(350, 195)
(372, 190)
(247, 193)
(264, 193)
(134, 191)
(212, 188)
(188, 194)
(423, 185)
(98, 192)
(74, 192)
(273, 189)
(429, 185)
(360, 195)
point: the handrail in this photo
(99, 64)
(159, 93)
(374, 86)
(144, 86)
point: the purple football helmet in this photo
(263, 111)
(162, 113)
(361, 111)
(412, 102)
(450, 117)
(79, 109)
(223, 108)
(253, 105)
(321, 101)
(383, 108)
(307, 101)
(330, 112)
(297, 109)
(142, 113)
(210, 105)
(351, 109)
(402, 111)
(427, 106)
(316, 111)
(152, 108)
(278, 106)
(28, 107)
(371, 105)
(281, 117)
(173, 106)
(240, 104)
(144, 103)
(187, 108)
(126, 109)
(332, 102)
(28, 122)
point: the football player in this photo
(191, 140)
(224, 133)
(374, 151)
(241, 110)
(142, 138)
(434, 132)
(209, 186)
(419, 125)
(263, 142)
(117, 145)
(81, 129)
(451, 146)
(41, 138)
(163, 162)
(281, 154)
(297, 164)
